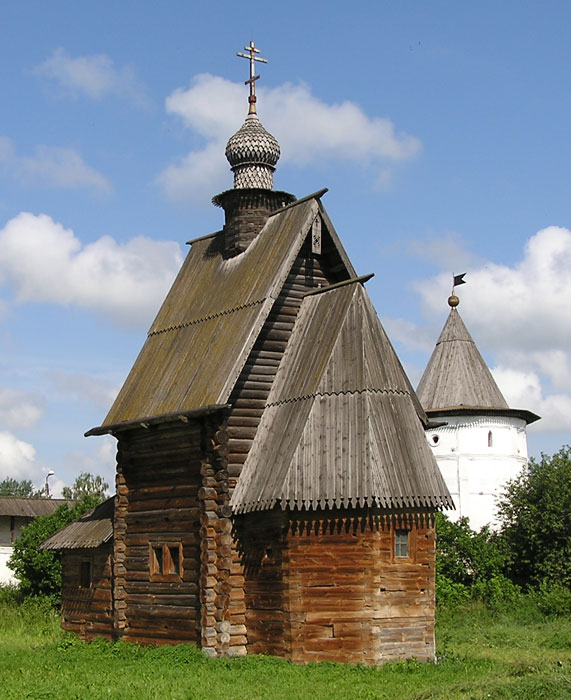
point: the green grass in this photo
(519, 655)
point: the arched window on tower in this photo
(490, 439)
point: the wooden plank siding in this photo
(327, 587)
(88, 610)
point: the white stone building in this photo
(478, 441)
(14, 514)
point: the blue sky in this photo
(441, 130)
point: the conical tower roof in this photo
(456, 375)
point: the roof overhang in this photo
(433, 413)
(182, 416)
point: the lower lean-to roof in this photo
(88, 532)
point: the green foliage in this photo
(450, 594)
(552, 599)
(481, 655)
(497, 592)
(464, 556)
(38, 571)
(535, 518)
(87, 484)
(19, 489)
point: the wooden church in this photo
(275, 489)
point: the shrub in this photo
(39, 571)
(465, 556)
(535, 517)
(552, 599)
(497, 592)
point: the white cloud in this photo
(410, 334)
(193, 177)
(42, 261)
(523, 307)
(19, 409)
(524, 389)
(52, 167)
(307, 128)
(447, 252)
(101, 462)
(83, 387)
(521, 315)
(91, 76)
(17, 459)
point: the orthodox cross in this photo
(251, 56)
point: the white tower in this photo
(478, 441)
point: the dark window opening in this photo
(85, 580)
(490, 439)
(435, 439)
(165, 561)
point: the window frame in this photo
(85, 562)
(401, 541)
(411, 543)
(166, 561)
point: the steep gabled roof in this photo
(456, 375)
(341, 426)
(210, 320)
(87, 532)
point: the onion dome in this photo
(253, 153)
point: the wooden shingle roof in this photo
(341, 425)
(210, 320)
(456, 374)
(31, 507)
(87, 532)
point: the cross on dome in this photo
(251, 56)
(252, 152)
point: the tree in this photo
(465, 556)
(39, 571)
(19, 489)
(86, 485)
(535, 521)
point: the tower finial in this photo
(251, 56)
(453, 300)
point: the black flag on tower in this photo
(459, 279)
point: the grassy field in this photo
(480, 655)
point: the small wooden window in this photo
(85, 579)
(165, 562)
(401, 543)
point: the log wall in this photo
(158, 483)
(351, 599)
(331, 589)
(88, 611)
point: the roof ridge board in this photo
(353, 280)
(204, 238)
(315, 195)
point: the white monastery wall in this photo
(477, 455)
(7, 537)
